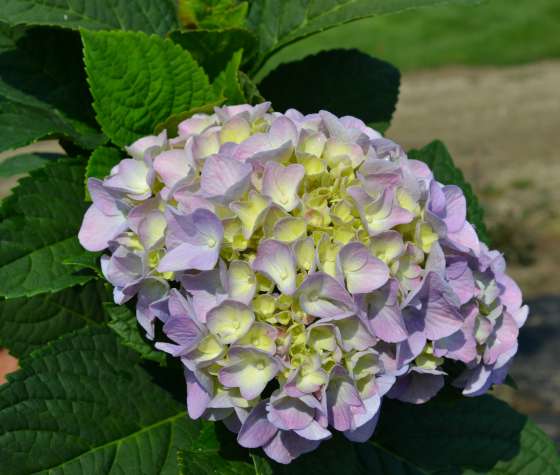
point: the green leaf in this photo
(212, 14)
(21, 125)
(437, 157)
(100, 163)
(83, 405)
(212, 49)
(171, 123)
(151, 16)
(123, 322)
(9, 36)
(212, 452)
(44, 70)
(446, 436)
(25, 163)
(466, 435)
(38, 231)
(227, 83)
(28, 324)
(138, 81)
(344, 82)
(278, 23)
(250, 90)
(85, 260)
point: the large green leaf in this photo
(446, 436)
(278, 23)
(25, 163)
(21, 125)
(466, 435)
(138, 81)
(214, 452)
(124, 323)
(43, 85)
(227, 83)
(344, 82)
(212, 14)
(40, 221)
(212, 49)
(437, 157)
(29, 323)
(151, 16)
(83, 405)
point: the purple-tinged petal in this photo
(364, 432)
(276, 261)
(141, 146)
(229, 321)
(417, 387)
(384, 314)
(343, 400)
(198, 394)
(241, 282)
(502, 340)
(289, 413)
(363, 272)
(250, 370)
(256, 431)
(287, 445)
(131, 177)
(224, 179)
(173, 166)
(151, 290)
(354, 333)
(280, 184)
(193, 241)
(98, 229)
(322, 296)
(196, 124)
(435, 307)
(465, 239)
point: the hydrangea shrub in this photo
(303, 268)
(239, 288)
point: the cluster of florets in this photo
(302, 267)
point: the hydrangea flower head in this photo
(302, 268)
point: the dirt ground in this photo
(502, 127)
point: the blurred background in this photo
(485, 80)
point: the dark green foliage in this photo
(344, 82)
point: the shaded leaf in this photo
(21, 125)
(250, 90)
(466, 435)
(25, 163)
(123, 322)
(44, 70)
(213, 49)
(84, 405)
(30, 323)
(151, 16)
(138, 81)
(227, 83)
(213, 14)
(212, 452)
(437, 157)
(344, 82)
(40, 222)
